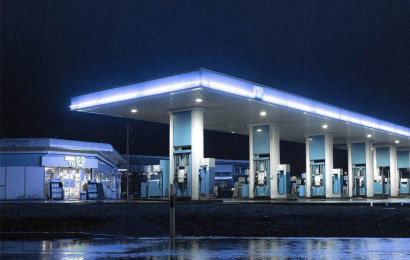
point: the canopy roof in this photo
(231, 104)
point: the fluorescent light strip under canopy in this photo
(216, 81)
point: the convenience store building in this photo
(29, 166)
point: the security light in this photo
(324, 126)
(369, 135)
(198, 100)
(134, 111)
(263, 113)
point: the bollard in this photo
(172, 210)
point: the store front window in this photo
(73, 181)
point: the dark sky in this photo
(352, 54)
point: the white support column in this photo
(394, 173)
(375, 168)
(329, 165)
(369, 170)
(197, 148)
(274, 159)
(349, 170)
(308, 181)
(171, 149)
(251, 166)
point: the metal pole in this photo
(172, 210)
(128, 160)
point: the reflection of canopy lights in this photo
(211, 80)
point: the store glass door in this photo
(71, 182)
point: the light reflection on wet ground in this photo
(208, 248)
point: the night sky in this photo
(352, 54)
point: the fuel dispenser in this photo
(403, 165)
(245, 184)
(359, 180)
(345, 188)
(382, 181)
(404, 181)
(182, 172)
(262, 176)
(154, 184)
(317, 169)
(337, 181)
(206, 177)
(284, 186)
(381, 184)
(319, 165)
(361, 161)
(302, 185)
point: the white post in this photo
(369, 170)
(251, 166)
(171, 149)
(349, 170)
(329, 165)
(308, 181)
(197, 148)
(394, 174)
(274, 159)
(172, 210)
(375, 168)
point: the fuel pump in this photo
(262, 176)
(337, 181)
(359, 180)
(182, 173)
(152, 187)
(283, 181)
(403, 167)
(206, 177)
(317, 169)
(404, 181)
(382, 181)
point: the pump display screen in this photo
(181, 174)
(261, 177)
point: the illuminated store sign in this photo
(69, 161)
(75, 160)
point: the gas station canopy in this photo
(231, 104)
